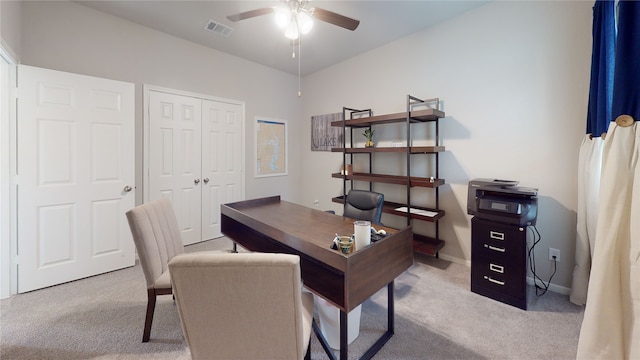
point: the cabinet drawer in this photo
(506, 278)
(504, 253)
(504, 242)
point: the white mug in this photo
(362, 232)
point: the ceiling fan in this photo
(296, 17)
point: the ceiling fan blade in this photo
(335, 19)
(250, 14)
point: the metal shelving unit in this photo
(359, 119)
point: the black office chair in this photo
(364, 205)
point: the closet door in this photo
(221, 161)
(175, 158)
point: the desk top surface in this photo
(345, 280)
(303, 226)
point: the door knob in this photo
(206, 180)
(196, 181)
(127, 188)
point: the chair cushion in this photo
(163, 282)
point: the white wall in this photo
(10, 27)
(66, 36)
(514, 79)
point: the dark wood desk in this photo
(272, 225)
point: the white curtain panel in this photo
(611, 325)
(589, 172)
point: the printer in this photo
(502, 201)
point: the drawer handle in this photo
(496, 235)
(494, 248)
(496, 268)
(494, 280)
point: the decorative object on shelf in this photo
(323, 135)
(368, 133)
(348, 171)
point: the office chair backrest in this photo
(156, 233)
(242, 306)
(364, 205)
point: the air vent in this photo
(218, 28)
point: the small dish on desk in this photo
(377, 234)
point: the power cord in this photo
(540, 289)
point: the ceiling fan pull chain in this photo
(299, 56)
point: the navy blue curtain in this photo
(626, 89)
(602, 67)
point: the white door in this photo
(175, 158)
(221, 161)
(75, 176)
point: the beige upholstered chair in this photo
(157, 237)
(242, 306)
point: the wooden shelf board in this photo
(390, 208)
(391, 179)
(338, 199)
(427, 245)
(413, 150)
(424, 115)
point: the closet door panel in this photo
(222, 148)
(175, 158)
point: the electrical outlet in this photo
(554, 252)
(316, 203)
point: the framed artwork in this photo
(323, 135)
(271, 147)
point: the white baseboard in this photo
(455, 260)
(552, 287)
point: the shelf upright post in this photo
(408, 158)
(437, 165)
(437, 188)
(350, 112)
(344, 154)
(371, 153)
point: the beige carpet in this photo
(437, 317)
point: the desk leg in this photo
(344, 335)
(323, 341)
(344, 332)
(390, 309)
(390, 326)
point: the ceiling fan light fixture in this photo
(292, 31)
(305, 22)
(283, 17)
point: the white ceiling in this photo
(259, 40)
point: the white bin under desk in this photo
(330, 322)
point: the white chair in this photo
(157, 238)
(242, 306)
